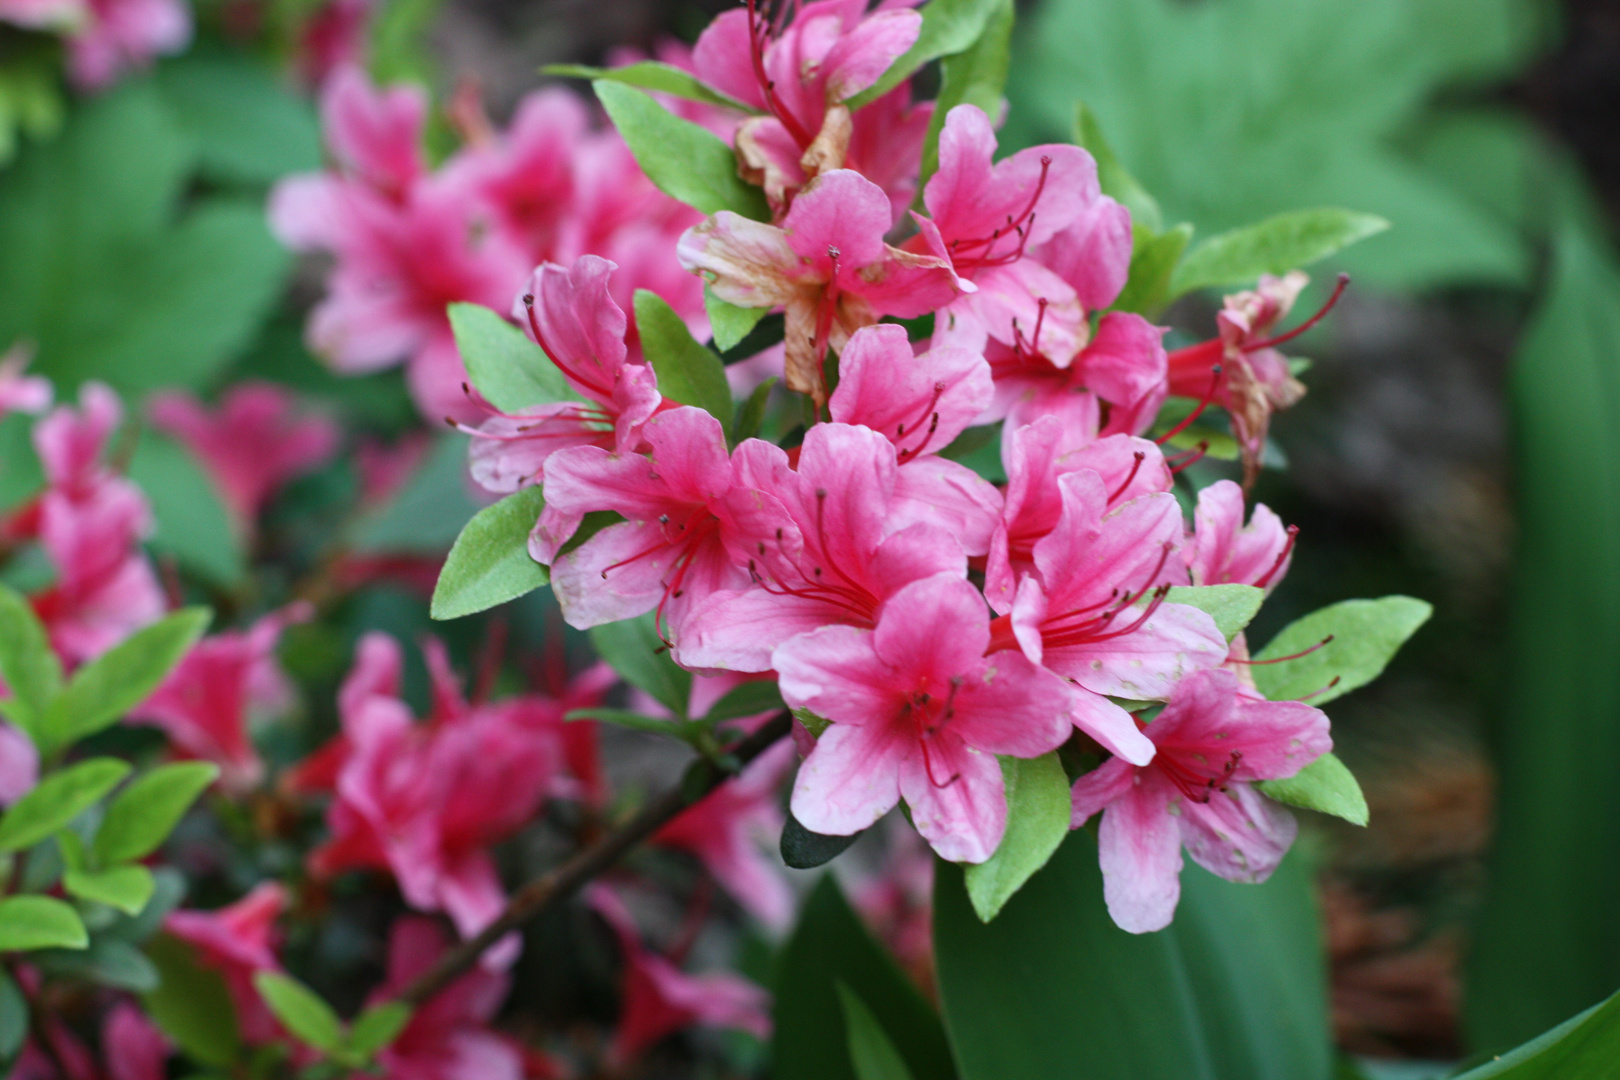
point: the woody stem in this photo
(561, 882)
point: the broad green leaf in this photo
(378, 1026)
(28, 664)
(126, 888)
(13, 1017)
(1587, 1045)
(634, 649)
(1234, 989)
(1326, 786)
(828, 947)
(489, 563)
(1117, 183)
(122, 677)
(948, 27)
(687, 162)
(506, 367)
(428, 513)
(747, 699)
(140, 817)
(247, 123)
(1038, 809)
(39, 922)
(871, 1051)
(977, 76)
(1274, 246)
(1366, 635)
(192, 1005)
(1153, 260)
(30, 98)
(806, 850)
(687, 372)
(192, 523)
(650, 75)
(730, 323)
(1232, 606)
(58, 799)
(300, 1010)
(752, 414)
(655, 725)
(170, 889)
(108, 961)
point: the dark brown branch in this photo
(557, 884)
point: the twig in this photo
(556, 885)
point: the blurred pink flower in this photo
(118, 36)
(19, 764)
(131, 1048)
(19, 392)
(239, 941)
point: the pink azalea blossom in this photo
(252, 444)
(205, 704)
(1196, 793)
(117, 36)
(658, 999)
(1225, 551)
(19, 392)
(333, 40)
(919, 712)
(19, 764)
(132, 1048)
(239, 941)
(826, 265)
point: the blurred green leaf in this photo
(13, 1017)
(746, 699)
(1273, 246)
(300, 1010)
(1153, 260)
(1326, 786)
(1231, 606)
(247, 124)
(39, 922)
(58, 799)
(871, 1051)
(806, 850)
(977, 76)
(28, 665)
(378, 1026)
(634, 649)
(1116, 182)
(1582, 1046)
(430, 510)
(948, 27)
(107, 961)
(752, 412)
(490, 563)
(650, 75)
(687, 372)
(1366, 635)
(192, 1005)
(1038, 811)
(30, 99)
(192, 523)
(140, 817)
(126, 888)
(729, 323)
(398, 48)
(506, 367)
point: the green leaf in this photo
(1366, 635)
(828, 947)
(246, 122)
(143, 815)
(170, 890)
(805, 850)
(192, 523)
(377, 1027)
(871, 1051)
(948, 27)
(975, 76)
(746, 699)
(686, 162)
(655, 725)
(729, 323)
(650, 75)
(1326, 786)
(192, 1005)
(1038, 810)
(30, 97)
(1274, 246)
(57, 800)
(634, 649)
(13, 1017)
(109, 961)
(1153, 260)
(1232, 606)
(39, 922)
(687, 372)
(428, 513)
(28, 664)
(506, 367)
(1117, 183)
(126, 888)
(1586, 1045)
(122, 677)
(489, 563)
(752, 413)
(300, 1010)
(1234, 989)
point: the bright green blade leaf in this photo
(143, 815)
(634, 649)
(806, 850)
(28, 664)
(1116, 182)
(1326, 786)
(747, 699)
(57, 800)
(1587, 1045)
(1037, 822)
(506, 367)
(729, 322)
(687, 162)
(1232, 606)
(687, 372)
(1366, 635)
(192, 523)
(300, 1010)
(126, 888)
(122, 677)
(871, 1051)
(378, 1026)
(192, 1005)
(39, 922)
(1274, 246)
(650, 75)
(948, 27)
(108, 961)
(975, 76)
(13, 1017)
(1153, 260)
(489, 563)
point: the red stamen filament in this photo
(1193, 784)
(920, 707)
(603, 392)
(929, 413)
(838, 589)
(1019, 225)
(1331, 684)
(1271, 343)
(1188, 459)
(1140, 456)
(1285, 659)
(759, 36)
(1203, 403)
(1081, 627)
(1282, 557)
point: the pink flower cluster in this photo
(106, 38)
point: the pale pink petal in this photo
(919, 402)
(938, 626)
(851, 778)
(1139, 848)
(1113, 728)
(950, 497)
(1094, 791)
(19, 764)
(957, 798)
(863, 54)
(1093, 254)
(836, 673)
(1238, 834)
(1145, 664)
(839, 213)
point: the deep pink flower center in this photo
(975, 253)
(825, 581)
(1177, 767)
(927, 714)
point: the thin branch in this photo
(557, 884)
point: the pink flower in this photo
(919, 712)
(131, 1048)
(19, 392)
(252, 444)
(1226, 551)
(1211, 743)
(121, 35)
(375, 134)
(826, 265)
(333, 40)
(19, 764)
(725, 830)
(239, 941)
(658, 999)
(527, 173)
(205, 704)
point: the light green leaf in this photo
(1274, 246)
(378, 1026)
(687, 162)
(39, 922)
(948, 27)
(1153, 260)
(1326, 786)
(141, 817)
(634, 649)
(192, 523)
(1586, 1045)
(108, 961)
(13, 1017)
(300, 1010)
(1366, 635)
(1038, 810)
(490, 563)
(651, 75)
(506, 367)
(870, 1050)
(126, 888)
(122, 677)
(248, 124)
(977, 76)
(1232, 606)
(57, 800)
(687, 372)
(192, 1005)
(28, 664)
(729, 322)
(1117, 183)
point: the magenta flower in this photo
(1223, 550)
(19, 764)
(239, 941)
(375, 135)
(919, 712)
(116, 36)
(1211, 744)
(132, 1048)
(19, 392)
(826, 265)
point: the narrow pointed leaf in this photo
(1273, 246)
(977, 76)
(378, 1026)
(1326, 786)
(948, 27)
(634, 649)
(27, 663)
(1584, 1045)
(57, 800)
(1366, 635)
(489, 563)
(688, 372)
(1117, 183)
(651, 75)
(871, 1051)
(192, 1005)
(300, 1010)
(806, 850)
(39, 922)
(141, 817)
(507, 368)
(729, 323)
(1153, 260)
(126, 888)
